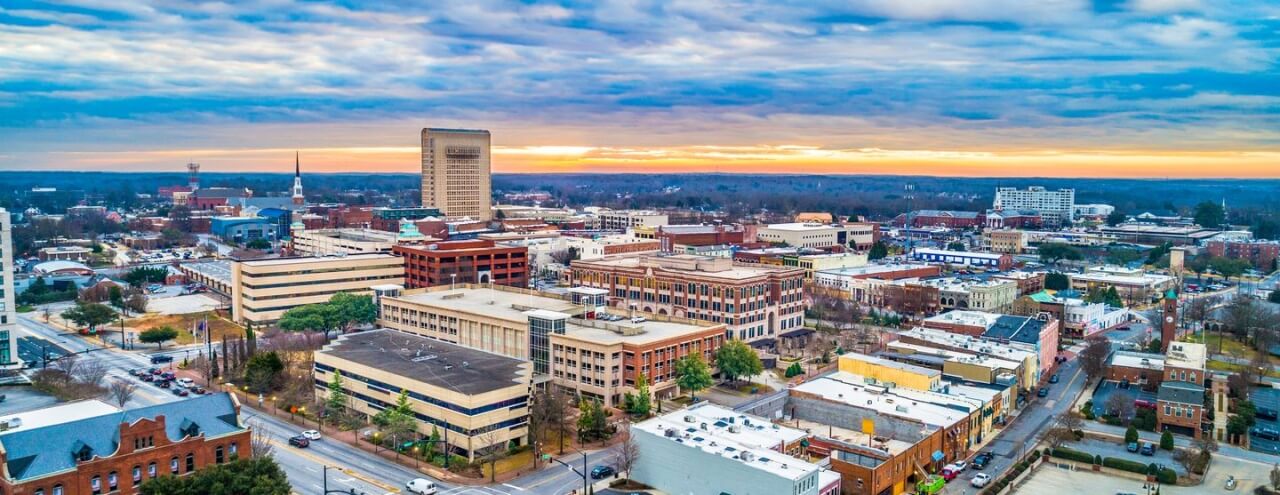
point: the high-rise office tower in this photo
(455, 172)
(8, 309)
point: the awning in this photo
(938, 456)
(799, 332)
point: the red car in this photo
(949, 474)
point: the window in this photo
(217, 455)
(233, 450)
(151, 470)
(137, 475)
(113, 481)
(173, 465)
(191, 462)
(57, 489)
(96, 484)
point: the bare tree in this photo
(91, 372)
(493, 450)
(1200, 308)
(1064, 428)
(1094, 357)
(259, 439)
(1196, 457)
(628, 451)
(1121, 404)
(121, 391)
(67, 366)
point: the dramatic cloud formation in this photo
(957, 87)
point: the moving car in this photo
(1044, 392)
(981, 460)
(1148, 449)
(1266, 433)
(161, 359)
(419, 486)
(980, 480)
(299, 442)
(1054, 378)
(601, 472)
(311, 434)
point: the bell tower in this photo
(1168, 320)
(298, 198)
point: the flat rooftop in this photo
(967, 343)
(219, 270)
(305, 260)
(440, 364)
(874, 269)
(492, 302)
(883, 401)
(994, 363)
(963, 284)
(625, 331)
(966, 318)
(965, 254)
(711, 429)
(878, 361)
(700, 266)
(801, 226)
(1142, 360)
(358, 235)
(1186, 355)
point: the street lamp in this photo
(582, 473)
(326, 489)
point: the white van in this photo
(420, 486)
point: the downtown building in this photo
(464, 262)
(755, 303)
(1057, 208)
(262, 290)
(8, 306)
(456, 172)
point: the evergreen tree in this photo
(336, 403)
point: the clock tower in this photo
(1168, 320)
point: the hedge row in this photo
(1074, 455)
(1017, 470)
(1125, 465)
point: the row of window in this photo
(112, 484)
(390, 389)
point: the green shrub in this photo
(1074, 455)
(1167, 476)
(1125, 465)
(1166, 441)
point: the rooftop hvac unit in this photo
(734, 429)
(688, 418)
(901, 409)
(747, 457)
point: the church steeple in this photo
(298, 198)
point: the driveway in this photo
(1114, 449)
(1106, 389)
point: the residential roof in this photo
(47, 449)
(1129, 359)
(715, 430)
(438, 363)
(1181, 392)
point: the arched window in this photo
(137, 475)
(173, 465)
(96, 484)
(151, 470)
(39, 491)
(113, 481)
(57, 489)
(234, 450)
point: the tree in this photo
(628, 451)
(592, 421)
(116, 297)
(1153, 346)
(693, 374)
(120, 392)
(144, 275)
(1196, 457)
(1094, 357)
(736, 359)
(1275, 477)
(136, 302)
(158, 336)
(1209, 215)
(1131, 435)
(1116, 217)
(1121, 405)
(263, 371)
(956, 246)
(336, 403)
(878, 250)
(258, 244)
(259, 438)
(353, 309)
(397, 422)
(1274, 296)
(89, 315)
(1053, 252)
(251, 476)
(641, 401)
(1166, 440)
(1159, 252)
(1064, 428)
(1057, 281)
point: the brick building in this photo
(940, 218)
(463, 262)
(1262, 254)
(90, 447)
(699, 235)
(1180, 397)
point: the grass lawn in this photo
(511, 463)
(184, 323)
(746, 388)
(1231, 367)
(25, 308)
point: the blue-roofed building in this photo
(92, 447)
(243, 229)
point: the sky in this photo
(1061, 88)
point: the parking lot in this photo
(1106, 388)
(1115, 449)
(181, 305)
(1052, 479)
(1269, 398)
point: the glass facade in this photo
(540, 330)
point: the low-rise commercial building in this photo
(1147, 233)
(845, 279)
(1261, 254)
(1005, 241)
(747, 454)
(991, 261)
(1009, 351)
(64, 253)
(1134, 285)
(322, 242)
(1028, 282)
(1142, 369)
(951, 219)
(607, 219)
(1181, 394)
(91, 447)
(478, 400)
(820, 235)
(464, 262)
(671, 236)
(755, 303)
(262, 290)
(575, 342)
(991, 295)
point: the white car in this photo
(311, 434)
(185, 382)
(980, 480)
(960, 466)
(420, 486)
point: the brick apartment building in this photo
(464, 262)
(1262, 254)
(940, 218)
(699, 235)
(90, 447)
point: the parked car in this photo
(980, 480)
(1266, 433)
(419, 486)
(949, 472)
(168, 375)
(299, 442)
(601, 472)
(960, 465)
(1133, 447)
(311, 434)
(1266, 413)
(1053, 378)
(161, 359)
(162, 383)
(981, 460)
(199, 390)
(180, 392)
(1148, 449)
(1044, 392)
(148, 378)
(186, 382)
(1144, 404)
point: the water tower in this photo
(193, 176)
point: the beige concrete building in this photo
(262, 290)
(323, 242)
(577, 342)
(1005, 241)
(8, 308)
(456, 173)
(628, 219)
(477, 400)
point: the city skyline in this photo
(1142, 88)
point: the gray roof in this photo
(280, 202)
(1016, 329)
(47, 450)
(438, 363)
(947, 213)
(1181, 392)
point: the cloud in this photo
(862, 74)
